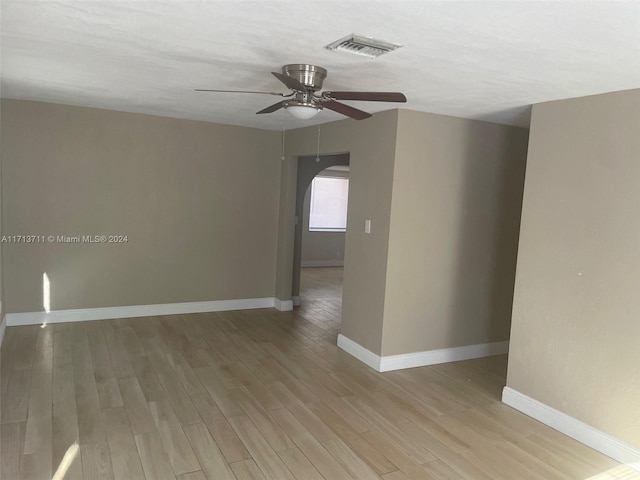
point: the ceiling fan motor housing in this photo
(310, 76)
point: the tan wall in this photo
(198, 202)
(371, 144)
(457, 192)
(321, 246)
(574, 338)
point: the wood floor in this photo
(259, 394)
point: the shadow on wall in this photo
(487, 234)
(308, 168)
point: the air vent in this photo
(361, 45)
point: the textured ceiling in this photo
(474, 59)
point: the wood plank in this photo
(11, 447)
(175, 392)
(571, 467)
(151, 388)
(209, 455)
(63, 392)
(224, 435)
(90, 420)
(38, 428)
(7, 356)
(185, 373)
(395, 435)
(106, 383)
(396, 455)
(247, 470)
(124, 453)
(36, 466)
(119, 358)
(131, 342)
(15, 403)
(312, 449)
(440, 470)
(303, 414)
(265, 457)
(299, 465)
(264, 397)
(96, 461)
(262, 420)
(66, 456)
(192, 476)
(154, 459)
(350, 460)
(174, 441)
(137, 409)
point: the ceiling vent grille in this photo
(361, 45)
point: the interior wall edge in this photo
(3, 327)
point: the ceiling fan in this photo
(305, 101)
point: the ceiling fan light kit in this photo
(304, 101)
(302, 111)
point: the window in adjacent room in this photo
(328, 208)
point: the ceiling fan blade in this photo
(238, 91)
(368, 96)
(290, 82)
(272, 108)
(346, 110)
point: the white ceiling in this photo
(475, 59)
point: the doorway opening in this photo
(320, 230)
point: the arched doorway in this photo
(308, 168)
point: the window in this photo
(328, 206)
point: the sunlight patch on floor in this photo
(66, 462)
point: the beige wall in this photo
(457, 192)
(371, 144)
(198, 202)
(575, 332)
(321, 247)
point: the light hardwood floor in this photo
(259, 394)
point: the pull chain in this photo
(283, 133)
(318, 147)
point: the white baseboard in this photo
(3, 327)
(283, 305)
(444, 355)
(420, 359)
(82, 315)
(296, 300)
(355, 349)
(322, 263)
(574, 428)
